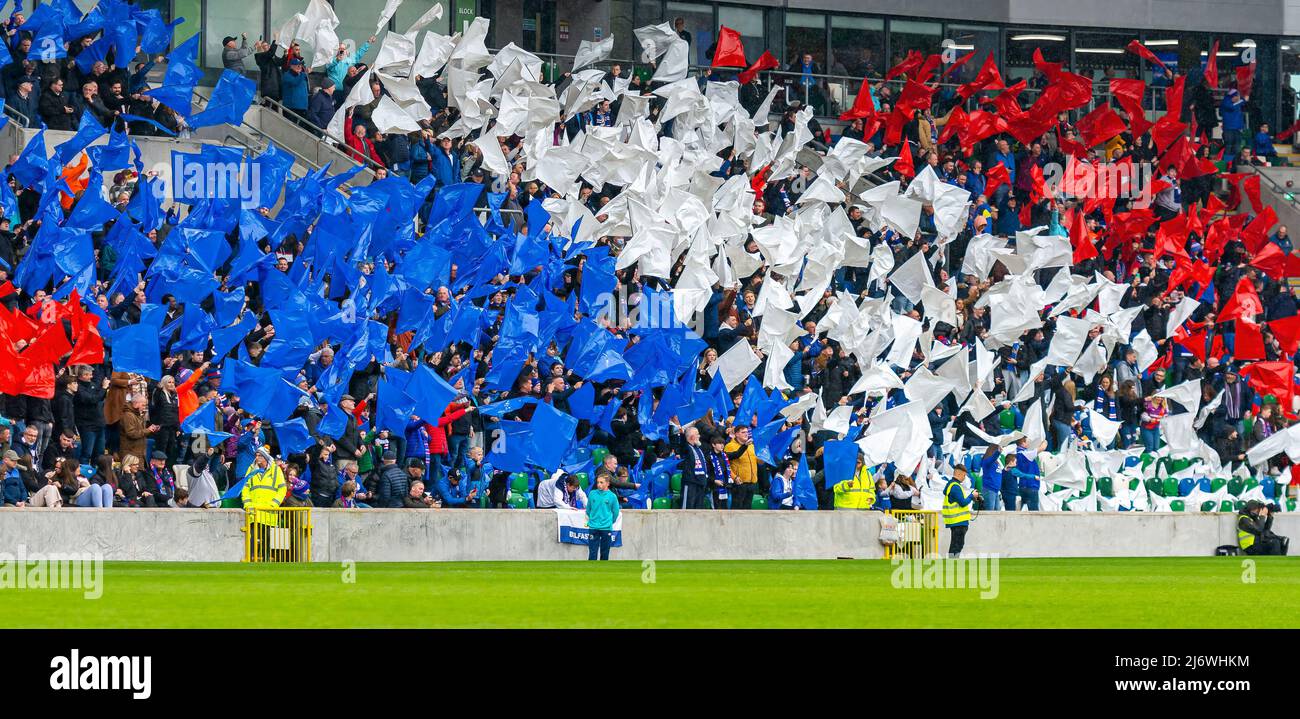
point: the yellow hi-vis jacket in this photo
(856, 493)
(1245, 539)
(264, 489)
(954, 512)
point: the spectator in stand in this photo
(293, 86)
(337, 69)
(232, 58)
(360, 147)
(270, 68)
(322, 106)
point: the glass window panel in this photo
(805, 33)
(1019, 63)
(357, 23)
(411, 10)
(749, 23)
(697, 22)
(907, 35)
(980, 39)
(1101, 56)
(192, 11)
(230, 19)
(857, 46)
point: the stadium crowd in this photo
(496, 333)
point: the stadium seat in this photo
(1227, 505)
(675, 483)
(1185, 485)
(1155, 487)
(598, 454)
(518, 501)
(519, 483)
(1208, 506)
(1251, 483)
(1239, 505)
(1216, 484)
(1170, 487)
(583, 480)
(1204, 484)
(1290, 505)
(1106, 486)
(760, 502)
(1177, 506)
(662, 503)
(677, 500)
(1235, 486)
(1147, 460)
(1178, 465)
(1269, 487)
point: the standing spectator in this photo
(602, 512)
(322, 104)
(293, 87)
(744, 468)
(269, 68)
(232, 58)
(694, 467)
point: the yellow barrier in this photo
(918, 534)
(282, 534)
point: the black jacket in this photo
(394, 485)
(164, 410)
(64, 413)
(324, 478)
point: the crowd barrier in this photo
(413, 535)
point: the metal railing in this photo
(918, 534)
(23, 120)
(280, 534)
(319, 134)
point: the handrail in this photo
(1278, 189)
(17, 115)
(280, 109)
(267, 140)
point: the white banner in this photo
(573, 528)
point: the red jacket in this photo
(361, 147)
(438, 434)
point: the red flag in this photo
(910, 63)
(1275, 378)
(903, 165)
(1212, 67)
(1085, 247)
(1194, 342)
(89, 348)
(988, 79)
(1166, 130)
(1287, 332)
(1255, 234)
(1244, 302)
(1245, 79)
(958, 122)
(1286, 134)
(1174, 96)
(1129, 92)
(730, 52)
(1271, 261)
(863, 105)
(766, 61)
(1250, 186)
(995, 176)
(1142, 51)
(1099, 126)
(957, 63)
(1249, 343)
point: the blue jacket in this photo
(1264, 145)
(1230, 109)
(446, 169)
(1026, 470)
(321, 109)
(337, 70)
(780, 490)
(602, 509)
(293, 88)
(1008, 161)
(14, 489)
(991, 473)
(453, 496)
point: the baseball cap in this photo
(11, 455)
(228, 38)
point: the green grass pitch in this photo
(1175, 592)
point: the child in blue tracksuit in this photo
(602, 512)
(1027, 472)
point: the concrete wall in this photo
(461, 535)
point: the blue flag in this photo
(135, 349)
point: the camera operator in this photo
(1255, 530)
